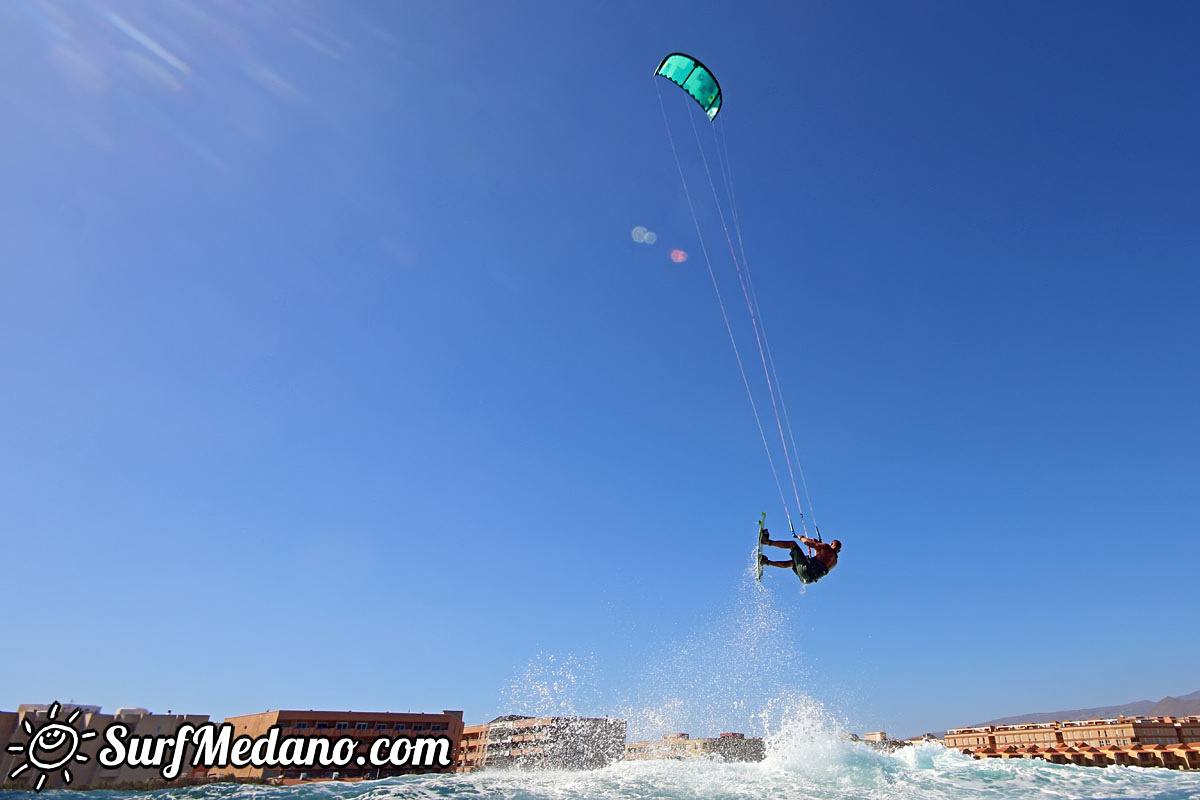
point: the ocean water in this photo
(798, 767)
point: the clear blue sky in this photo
(332, 377)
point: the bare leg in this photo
(786, 545)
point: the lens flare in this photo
(679, 256)
(643, 235)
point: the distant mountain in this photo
(1167, 707)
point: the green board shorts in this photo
(808, 570)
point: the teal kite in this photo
(695, 79)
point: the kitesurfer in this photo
(808, 568)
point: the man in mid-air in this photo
(808, 568)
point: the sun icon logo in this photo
(53, 746)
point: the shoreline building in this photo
(1169, 742)
(364, 726)
(515, 741)
(472, 749)
(680, 746)
(85, 770)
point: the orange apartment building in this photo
(1141, 741)
(472, 748)
(364, 726)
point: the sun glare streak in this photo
(145, 41)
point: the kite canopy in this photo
(694, 78)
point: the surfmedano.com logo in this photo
(53, 745)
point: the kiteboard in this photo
(758, 544)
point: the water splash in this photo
(732, 674)
(724, 676)
(554, 685)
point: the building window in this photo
(401, 726)
(300, 725)
(382, 726)
(322, 725)
(361, 726)
(439, 727)
(341, 726)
